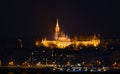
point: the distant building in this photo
(62, 41)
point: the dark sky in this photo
(34, 19)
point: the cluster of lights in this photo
(62, 41)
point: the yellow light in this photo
(63, 41)
(11, 63)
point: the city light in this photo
(62, 41)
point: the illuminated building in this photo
(62, 41)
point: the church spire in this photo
(57, 29)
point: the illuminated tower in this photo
(57, 30)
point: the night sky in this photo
(31, 20)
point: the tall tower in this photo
(57, 30)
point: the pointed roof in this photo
(57, 26)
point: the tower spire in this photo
(57, 29)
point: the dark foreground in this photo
(48, 70)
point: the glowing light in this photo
(62, 41)
(11, 63)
